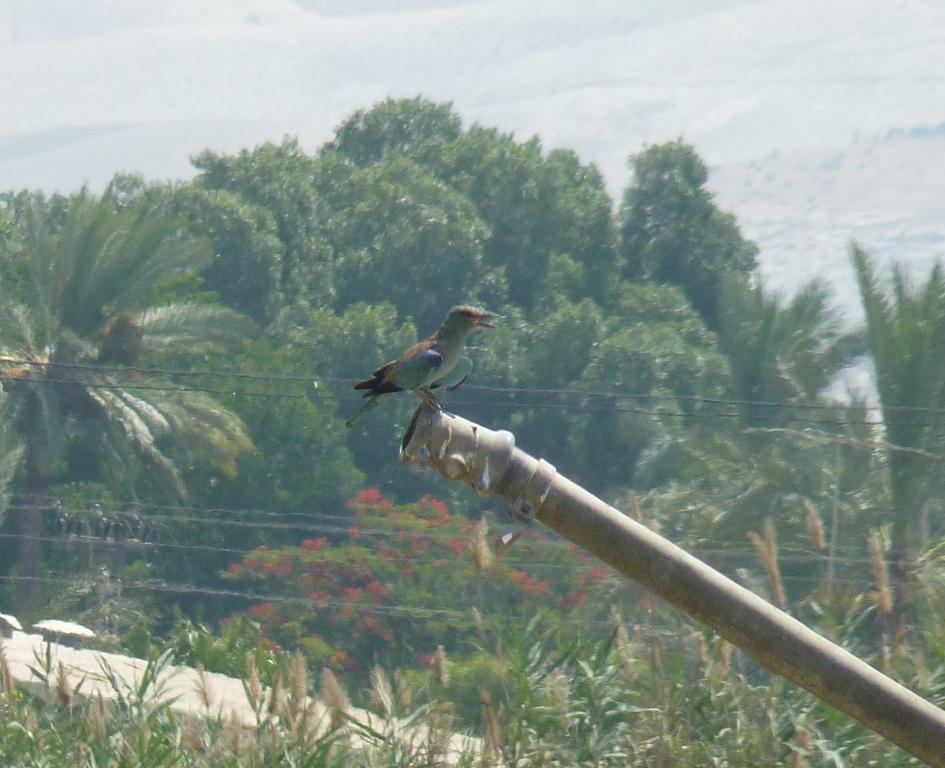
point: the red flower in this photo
(352, 593)
(598, 574)
(418, 544)
(369, 496)
(263, 610)
(341, 659)
(456, 545)
(528, 584)
(435, 504)
(270, 568)
(354, 532)
(377, 590)
(235, 568)
(407, 571)
(313, 545)
(426, 658)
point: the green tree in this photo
(782, 352)
(301, 462)
(399, 235)
(279, 178)
(673, 231)
(905, 332)
(416, 127)
(246, 268)
(535, 207)
(780, 355)
(80, 318)
(339, 349)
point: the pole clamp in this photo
(534, 492)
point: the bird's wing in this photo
(378, 384)
(454, 378)
(417, 368)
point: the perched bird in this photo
(429, 364)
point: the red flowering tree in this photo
(394, 581)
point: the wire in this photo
(172, 371)
(312, 523)
(738, 550)
(140, 517)
(155, 387)
(543, 405)
(460, 618)
(307, 379)
(54, 504)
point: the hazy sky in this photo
(822, 121)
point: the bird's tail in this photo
(369, 404)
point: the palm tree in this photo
(71, 329)
(780, 351)
(906, 337)
(774, 452)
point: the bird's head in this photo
(469, 318)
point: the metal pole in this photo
(489, 461)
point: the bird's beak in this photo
(483, 320)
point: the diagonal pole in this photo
(489, 461)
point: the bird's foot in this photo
(430, 400)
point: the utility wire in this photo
(512, 404)
(159, 585)
(314, 527)
(738, 550)
(154, 388)
(312, 520)
(605, 394)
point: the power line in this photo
(172, 371)
(159, 585)
(154, 388)
(737, 549)
(605, 394)
(600, 407)
(313, 524)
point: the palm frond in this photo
(147, 248)
(135, 433)
(11, 455)
(194, 328)
(202, 421)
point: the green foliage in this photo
(904, 333)
(246, 268)
(391, 579)
(779, 352)
(279, 178)
(300, 461)
(652, 362)
(196, 644)
(535, 207)
(83, 305)
(673, 231)
(414, 127)
(401, 236)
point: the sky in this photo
(822, 122)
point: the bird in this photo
(435, 362)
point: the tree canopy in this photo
(177, 362)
